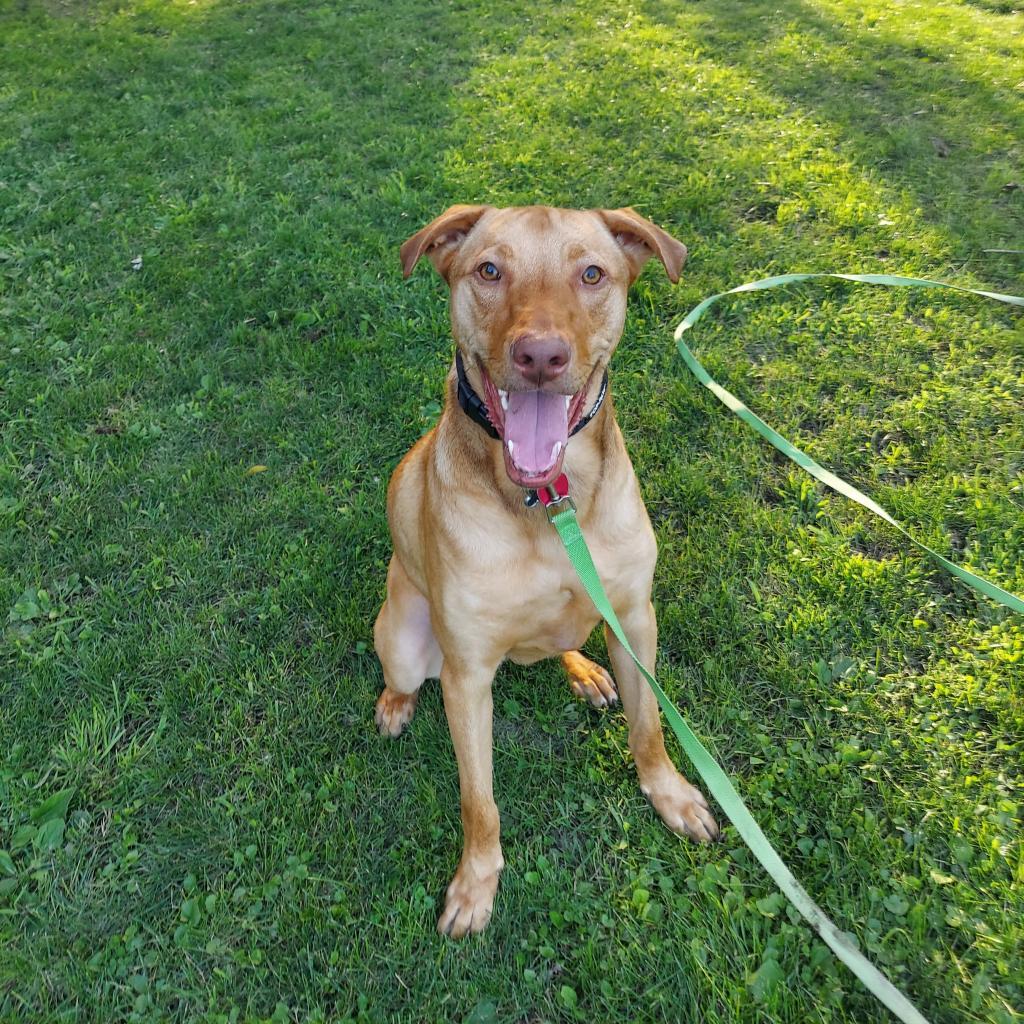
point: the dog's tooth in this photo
(510, 445)
(555, 449)
(568, 401)
(503, 395)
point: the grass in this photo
(197, 819)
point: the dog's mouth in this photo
(534, 427)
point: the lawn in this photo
(209, 365)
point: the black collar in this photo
(472, 404)
(475, 408)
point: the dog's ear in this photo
(639, 239)
(441, 238)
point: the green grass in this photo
(187, 645)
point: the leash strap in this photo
(802, 459)
(722, 789)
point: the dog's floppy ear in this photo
(640, 240)
(441, 238)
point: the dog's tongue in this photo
(535, 422)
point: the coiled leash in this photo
(802, 459)
(561, 512)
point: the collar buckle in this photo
(554, 497)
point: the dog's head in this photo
(538, 300)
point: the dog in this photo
(538, 303)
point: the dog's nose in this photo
(540, 358)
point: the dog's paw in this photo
(394, 711)
(468, 902)
(589, 680)
(682, 807)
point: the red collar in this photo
(551, 497)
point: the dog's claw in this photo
(468, 903)
(590, 682)
(683, 809)
(394, 711)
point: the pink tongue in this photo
(535, 421)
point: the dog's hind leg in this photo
(589, 680)
(407, 648)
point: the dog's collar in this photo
(476, 409)
(472, 404)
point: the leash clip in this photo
(554, 497)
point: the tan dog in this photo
(538, 301)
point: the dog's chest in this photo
(554, 622)
(551, 612)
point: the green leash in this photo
(722, 789)
(802, 459)
(562, 514)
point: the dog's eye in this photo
(488, 271)
(592, 275)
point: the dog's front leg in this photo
(682, 807)
(468, 706)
